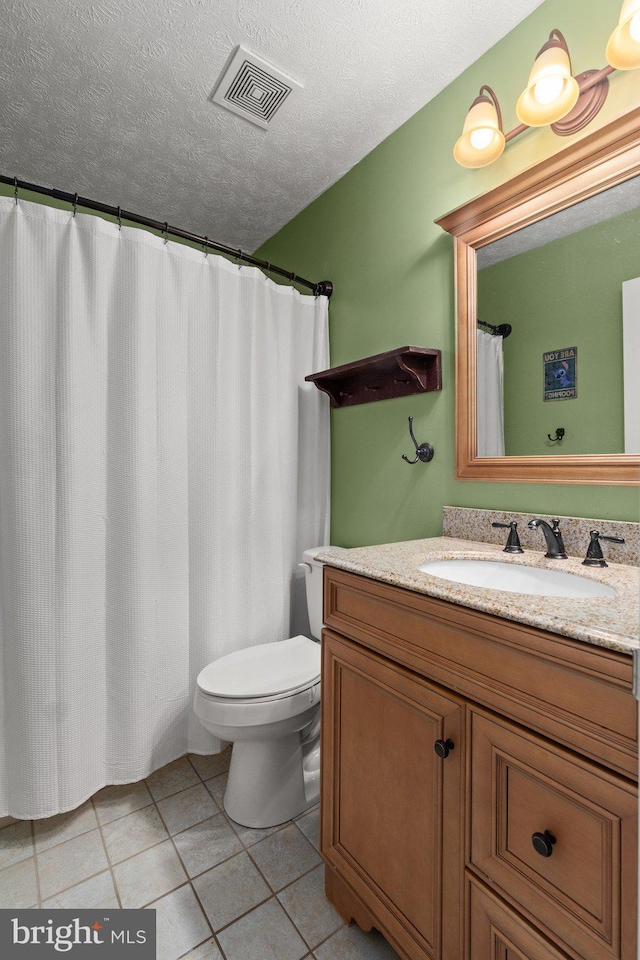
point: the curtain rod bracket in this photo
(324, 289)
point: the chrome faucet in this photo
(555, 546)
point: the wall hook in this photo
(559, 434)
(424, 451)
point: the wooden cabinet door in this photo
(391, 807)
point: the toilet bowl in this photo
(266, 701)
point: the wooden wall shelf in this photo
(396, 373)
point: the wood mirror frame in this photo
(601, 160)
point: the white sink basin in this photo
(516, 578)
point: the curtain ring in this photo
(119, 217)
(205, 249)
(75, 204)
(15, 189)
(165, 232)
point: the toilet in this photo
(266, 701)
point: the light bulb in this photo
(634, 27)
(548, 89)
(481, 137)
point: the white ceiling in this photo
(110, 98)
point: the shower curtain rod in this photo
(323, 288)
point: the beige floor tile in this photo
(211, 765)
(264, 934)
(133, 834)
(251, 835)
(180, 924)
(207, 844)
(309, 823)
(96, 892)
(350, 943)
(68, 863)
(64, 826)
(18, 886)
(308, 907)
(16, 843)
(171, 779)
(206, 951)
(189, 806)
(231, 889)
(216, 787)
(284, 856)
(121, 799)
(149, 875)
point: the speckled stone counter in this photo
(611, 622)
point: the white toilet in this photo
(266, 701)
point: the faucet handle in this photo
(594, 557)
(513, 540)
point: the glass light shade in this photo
(482, 140)
(623, 48)
(551, 91)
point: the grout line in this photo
(106, 853)
(189, 881)
(66, 840)
(121, 816)
(35, 864)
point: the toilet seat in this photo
(267, 672)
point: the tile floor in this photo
(221, 891)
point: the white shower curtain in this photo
(489, 396)
(162, 466)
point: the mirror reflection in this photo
(564, 379)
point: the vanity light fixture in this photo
(552, 90)
(623, 49)
(553, 96)
(482, 139)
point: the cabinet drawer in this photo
(581, 882)
(497, 933)
(573, 692)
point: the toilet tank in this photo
(313, 579)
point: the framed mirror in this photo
(554, 254)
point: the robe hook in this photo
(424, 451)
(559, 435)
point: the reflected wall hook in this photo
(424, 451)
(559, 434)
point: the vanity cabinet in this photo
(479, 787)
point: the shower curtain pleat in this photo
(162, 466)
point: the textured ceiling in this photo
(111, 98)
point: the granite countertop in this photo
(611, 622)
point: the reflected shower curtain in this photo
(162, 466)
(489, 396)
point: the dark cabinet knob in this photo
(443, 747)
(543, 843)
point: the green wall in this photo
(373, 234)
(564, 294)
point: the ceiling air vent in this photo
(254, 89)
